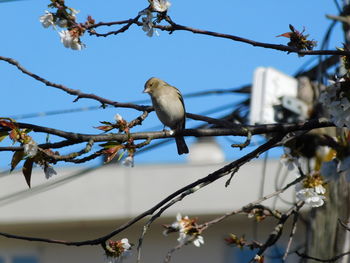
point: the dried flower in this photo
(115, 250)
(49, 171)
(298, 40)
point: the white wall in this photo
(77, 205)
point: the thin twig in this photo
(172, 27)
(291, 236)
(121, 30)
(276, 233)
(244, 144)
(70, 156)
(159, 213)
(250, 205)
(138, 120)
(344, 225)
(333, 259)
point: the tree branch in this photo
(236, 130)
(172, 27)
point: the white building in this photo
(82, 203)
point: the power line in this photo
(91, 108)
(45, 186)
(53, 112)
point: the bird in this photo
(170, 108)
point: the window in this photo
(24, 259)
(243, 255)
(272, 255)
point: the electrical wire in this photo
(51, 184)
(242, 89)
(53, 112)
(324, 44)
(337, 6)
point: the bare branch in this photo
(250, 205)
(236, 130)
(291, 236)
(333, 259)
(276, 233)
(70, 156)
(172, 27)
(121, 30)
(74, 92)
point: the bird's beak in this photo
(146, 90)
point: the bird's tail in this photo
(181, 145)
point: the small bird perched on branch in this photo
(170, 108)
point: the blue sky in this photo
(117, 67)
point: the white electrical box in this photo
(269, 87)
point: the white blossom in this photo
(49, 171)
(160, 5)
(30, 148)
(147, 23)
(182, 224)
(47, 19)
(118, 117)
(319, 189)
(188, 230)
(183, 238)
(66, 38)
(311, 197)
(125, 243)
(176, 224)
(128, 161)
(117, 251)
(69, 41)
(288, 160)
(198, 241)
(337, 103)
(179, 217)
